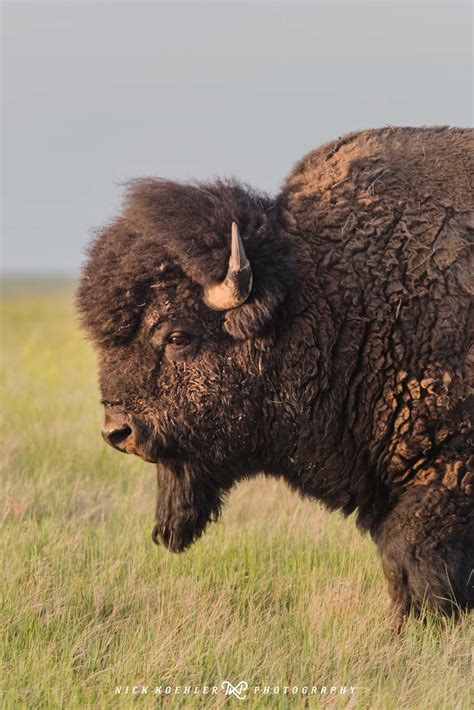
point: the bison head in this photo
(180, 296)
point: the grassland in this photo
(280, 593)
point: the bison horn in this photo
(235, 288)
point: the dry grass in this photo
(280, 593)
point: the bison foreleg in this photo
(427, 543)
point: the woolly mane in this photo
(184, 229)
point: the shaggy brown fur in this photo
(348, 371)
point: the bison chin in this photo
(187, 501)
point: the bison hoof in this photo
(155, 535)
(399, 618)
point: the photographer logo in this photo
(236, 690)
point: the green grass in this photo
(279, 593)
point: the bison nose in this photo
(116, 436)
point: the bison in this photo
(321, 336)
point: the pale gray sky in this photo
(95, 93)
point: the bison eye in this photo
(178, 339)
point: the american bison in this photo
(321, 336)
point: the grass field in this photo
(279, 593)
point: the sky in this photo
(97, 93)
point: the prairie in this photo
(280, 593)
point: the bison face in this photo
(183, 321)
(187, 396)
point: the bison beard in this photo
(328, 343)
(187, 501)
